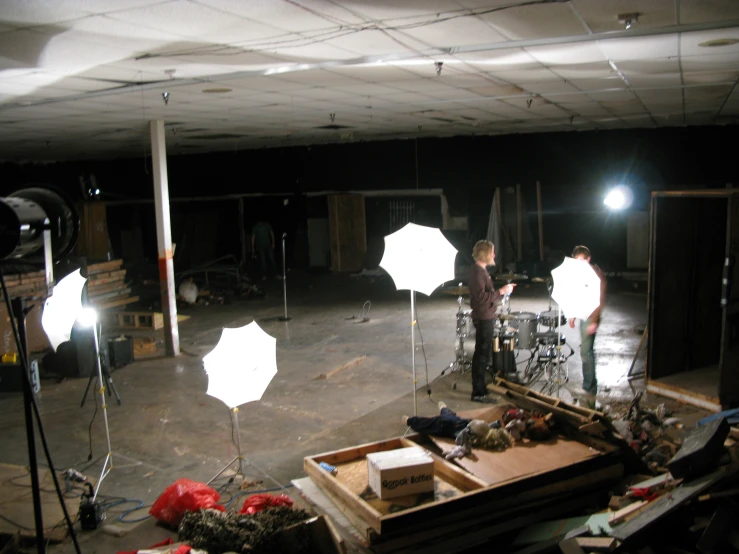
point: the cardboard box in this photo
(400, 472)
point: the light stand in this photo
(239, 457)
(413, 349)
(284, 279)
(88, 317)
(17, 315)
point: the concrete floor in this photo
(167, 427)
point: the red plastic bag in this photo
(258, 502)
(184, 495)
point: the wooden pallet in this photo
(143, 320)
(459, 496)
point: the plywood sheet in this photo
(16, 503)
(355, 477)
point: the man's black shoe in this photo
(487, 399)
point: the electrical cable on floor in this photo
(89, 428)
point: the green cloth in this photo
(262, 232)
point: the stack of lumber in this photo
(26, 285)
(32, 287)
(106, 285)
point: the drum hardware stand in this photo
(460, 363)
(632, 376)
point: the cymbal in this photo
(456, 291)
(506, 317)
(510, 277)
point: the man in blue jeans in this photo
(588, 328)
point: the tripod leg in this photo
(111, 386)
(89, 382)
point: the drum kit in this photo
(516, 333)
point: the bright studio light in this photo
(619, 198)
(88, 317)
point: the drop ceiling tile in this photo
(179, 18)
(523, 76)
(595, 70)
(713, 62)
(613, 82)
(535, 22)
(377, 72)
(288, 16)
(551, 87)
(580, 53)
(462, 31)
(317, 77)
(39, 12)
(700, 11)
(319, 93)
(367, 89)
(710, 77)
(640, 48)
(690, 43)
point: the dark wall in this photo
(574, 169)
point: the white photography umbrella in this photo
(418, 258)
(62, 308)
(240, 368)
(576, 288)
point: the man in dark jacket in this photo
(483, 298)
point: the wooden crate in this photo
(461, 498)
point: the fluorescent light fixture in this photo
(619, 198)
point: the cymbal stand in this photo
(460, 363)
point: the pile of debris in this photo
(689, 508)
(216, 532)
(650, 433)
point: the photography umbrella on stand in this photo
(240, 368)
(62, 309)
(576, 291)
(418, 258)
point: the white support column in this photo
(164, 238)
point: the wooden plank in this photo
(114, 303)
(532, 403)
(619, 516)
(108, 287)
(600, 544)
(351, 505)
(668, 503)
(107, 277)
(554, 402)
(109, 295)
(104, 266)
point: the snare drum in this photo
(526, 323)
(549, 319)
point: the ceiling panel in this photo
(528, 22)
(701, 11)
(99, 68)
